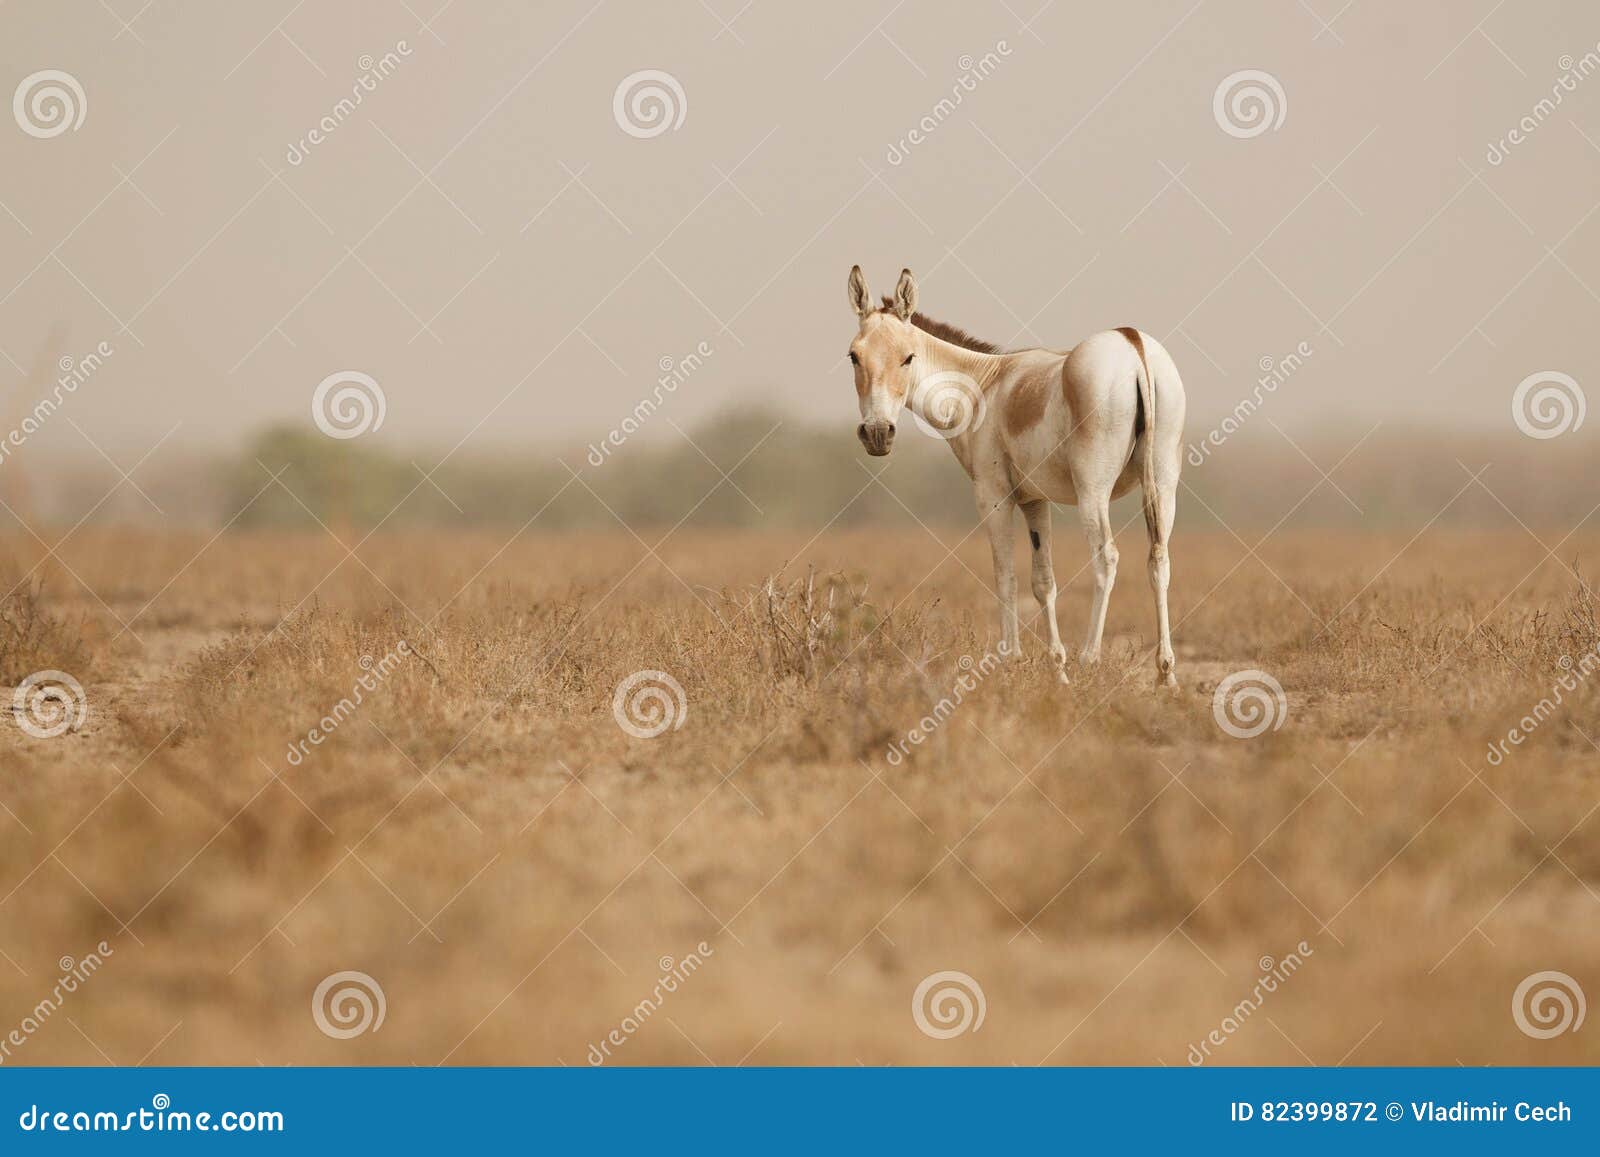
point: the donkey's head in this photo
(883, 356)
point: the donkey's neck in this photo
(981, 369)
(939, 355)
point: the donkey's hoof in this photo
(1058, 661)
(1167, 681)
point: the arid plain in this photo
(483, 839)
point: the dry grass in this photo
(482, 837)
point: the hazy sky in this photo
(483, 238)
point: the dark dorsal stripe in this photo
(945, 332)
(1136, 339)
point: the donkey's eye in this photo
(907, 362)
(855, 361)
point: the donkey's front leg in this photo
(997, 519)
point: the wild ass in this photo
(1031, 427)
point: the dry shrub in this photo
(33, 639)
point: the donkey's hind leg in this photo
(1094, 510)
(1037, 515)
(1160, 509)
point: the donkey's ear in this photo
(860, 296)
(905, 296)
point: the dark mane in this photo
(945, 332)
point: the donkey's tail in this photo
(1145, 424)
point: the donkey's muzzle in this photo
(877, 437)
